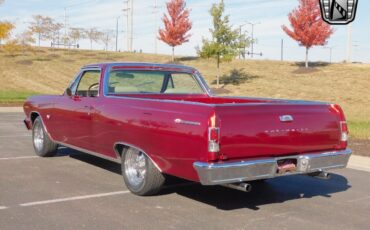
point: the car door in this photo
(74, 113)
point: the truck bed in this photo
(251, 127)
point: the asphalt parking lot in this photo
(78, 191)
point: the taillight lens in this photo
(214, 134)
(213, 140)
(343, 126)
(343, 134)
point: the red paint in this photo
(248, 127)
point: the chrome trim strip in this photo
(135, 147)
(281, 100)
(249, 170)
(90, 67)
(161, 100)
(180, 121)
(202, 83)
(89, 152)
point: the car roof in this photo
(140, 65)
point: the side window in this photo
(89, 84)
(183, 83)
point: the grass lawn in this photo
(10, 97)
(50, 71)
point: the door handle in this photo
(89, 107)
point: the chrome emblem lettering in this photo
(286, 130)
(286, 118)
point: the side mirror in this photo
(68, 92)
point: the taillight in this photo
(343, 126)
(213, 140)
(343, 134)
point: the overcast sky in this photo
(271, 14)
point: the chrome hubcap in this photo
(38, 136)
(135, 166)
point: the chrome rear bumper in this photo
(249, 170)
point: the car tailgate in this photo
(276, 129)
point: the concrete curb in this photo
(359, 163)
(11, 109)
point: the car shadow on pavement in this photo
(277, 190)
(90, 159)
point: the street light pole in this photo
(117, 34)
(240, 33)
(349, 42)
(132, 26)
(252, 47)
(155, 12)
(65, 21)
(282, 50)
(330, 52)
(126, 11)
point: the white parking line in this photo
(17, 158)
(24, 135)
(73, 198)
(3, 207)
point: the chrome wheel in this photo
(38, 136)
(135, 167)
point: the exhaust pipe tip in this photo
(244, 187)
(247, 187)
(321, 175)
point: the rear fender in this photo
(119, 148)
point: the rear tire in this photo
(140, 174)
(43, 145)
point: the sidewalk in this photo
(359, 163)
(11, 110)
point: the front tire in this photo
(140, 174)
(44, 147)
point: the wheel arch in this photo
(34, 115)
(120, 147)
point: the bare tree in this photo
(26, 40)
(42, 26)
(93, 35)
(66, 40)
(106, 39)
(76, 34)
(54, 34)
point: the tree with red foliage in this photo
(177, 25)
(308, 27)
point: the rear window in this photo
(135, 82)
(183, 83)
(126, 81)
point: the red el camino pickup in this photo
(159, 120)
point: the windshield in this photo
(127, 81)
